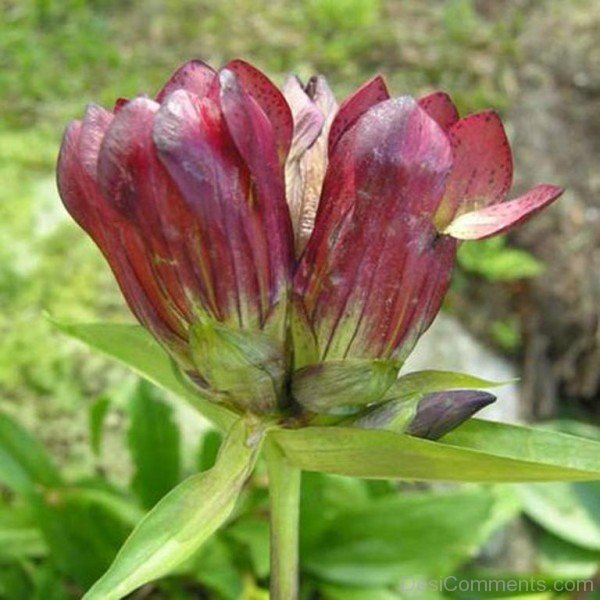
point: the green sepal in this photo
(393, 415)
(247, 368)
(304, 342)
(429, 381)
(342, 386)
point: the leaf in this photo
(562, 558)
(252, 532)
(569, 511)
(214, 568)
(426, 382)
(154, 443)
(20, 538)
(427, 534)
(185, 518)
(336, 592)
(324, 497)
(24, 462)
(496, 261)
(477, 451)
(134, 347)
(83, 528)
(209, 449)
(97, 415)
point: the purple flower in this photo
(285, 251)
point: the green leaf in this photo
(252, 532)
(569, 511)
(24, 463)
(323, 498)
(20, 538)
(477, 451)
(562, 558)
(83, 528)
(337, 592)
(495, 261)
(214, 568)
(208, 449)
(97, 415)
(182, 520)
(426, 534)
(134, 347)
(154, 443)
(429, 381)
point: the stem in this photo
(284, 492)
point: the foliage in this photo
(60, 534)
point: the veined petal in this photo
(369, 94)
(366, 264)
(308, 118)
(482, 169)
(271, 101)
(232, 211)
(115, 236)
(313, 108)
(194, 76)
(499, 218)
(439, 106)
(254, 136)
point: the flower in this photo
(288, 253)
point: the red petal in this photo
(484, 223)
(373, 239)
(134, 182)
(194, 76)
(371, 93)
(240, 231)
(439, 106)
(119, 104)
(482, 170)
(270, 99)
(116, 238)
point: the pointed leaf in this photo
(154, 443)
(429, 381)
(426, 534)
(24, 463)
(178, 525)
(477, 451)
(134, 347)
(96, 417)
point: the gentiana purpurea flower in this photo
(288, 252)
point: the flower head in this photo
(287, 252)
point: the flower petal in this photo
(114, 235)
(499, 218)
(194, 76)
(439, 106)
(134, 182)
(441, 412)
(369, 94)
(482, 170)
(308, 118)
(366, 264)
(234, 211)
(270, 99)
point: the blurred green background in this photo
(528, 59)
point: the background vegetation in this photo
(93, 420)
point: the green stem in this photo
(284, 492)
